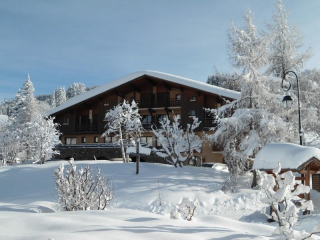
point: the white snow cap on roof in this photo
(290, 156)
(165, 76)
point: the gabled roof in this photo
(165, 76)
(290, 156)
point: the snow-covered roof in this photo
(290, 156)
(165, 76)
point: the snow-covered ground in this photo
(28, 207)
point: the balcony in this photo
(172, 102)
(86, 127)
(209, 122)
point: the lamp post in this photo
(287, 100)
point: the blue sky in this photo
(60, 42)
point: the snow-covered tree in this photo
(225, 80)
(247, 48)
(25, 103)
(281, 193)
(10, 142)
(46, 136)
(53, 99)
(284, 43)
(124, 122)
(75, 89)
(257, 118)
(43, 107)
(80, 190)
(60, 96)
(178, 144)
(24, 114)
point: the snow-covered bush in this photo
(79, 190)
(282, 193)
(178, 144)
(185, 209)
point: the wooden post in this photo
(308, 181)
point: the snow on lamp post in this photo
(287, 100)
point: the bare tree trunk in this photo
(121, 145)
(137, 156)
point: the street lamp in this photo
(287, 100)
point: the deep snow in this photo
(28, 207)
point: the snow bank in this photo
(142, 208)
(290, 156)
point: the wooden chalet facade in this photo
(158, 95)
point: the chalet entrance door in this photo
(316, 182)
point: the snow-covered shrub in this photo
(79, 190)
(185, 209)
(178, 144)
(282, 192)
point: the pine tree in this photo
(284, 43)
(75, 89)
(60, 96)
(245, 125)
(53, 99)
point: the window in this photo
(69, 140)
(193, 98)
(84, 140)
(146, 119)
(178, 97)
(106, 103)
(111, 140)
(192, 112)
(148, 140)
(95, 139)
(66, 121)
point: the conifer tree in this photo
(284, 43)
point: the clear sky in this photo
(64, 41)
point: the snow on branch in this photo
(178, 144)
(282, 195)
(80, 190)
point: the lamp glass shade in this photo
(287, 102)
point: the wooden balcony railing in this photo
(172, 102)
(86, 127)
(209, 122)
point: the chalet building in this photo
(303, 161)
(158, 95)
